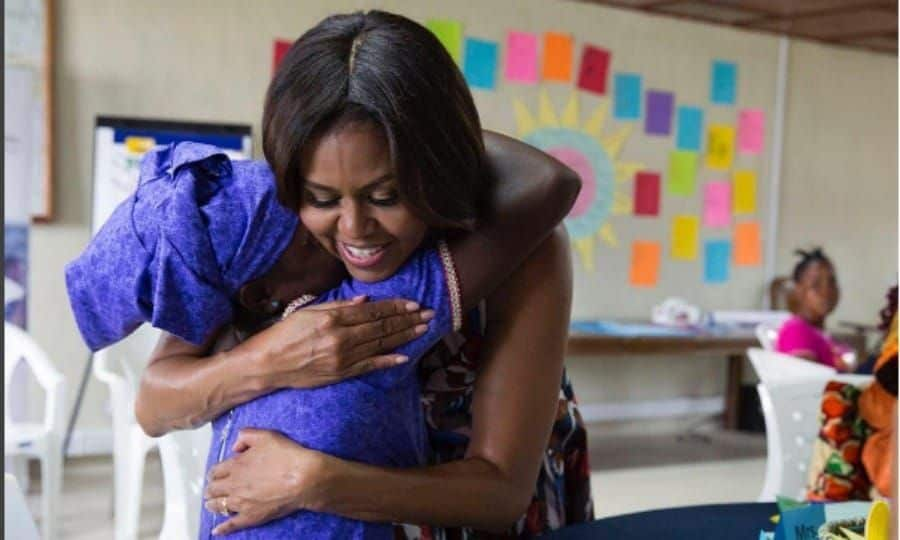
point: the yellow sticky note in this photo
(744, 192)
(139, 145)
(645, 263)
(720, 147)
(685, 233)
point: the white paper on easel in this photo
(25, 51)
(19, 154)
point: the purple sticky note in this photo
(751, 129)
(659, 112)
(521, 57)
(717, 204)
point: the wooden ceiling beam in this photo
(836, 10)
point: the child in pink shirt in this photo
(816, 294)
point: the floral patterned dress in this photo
(562, 494)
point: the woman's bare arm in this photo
(534, 192)
(185, 386)
(514, 406)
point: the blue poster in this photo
(716, 261)
(723, 82)
(627, 96)
(480, 65)
(689, 128)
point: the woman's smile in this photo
(362, 255)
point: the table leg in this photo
(733, 391)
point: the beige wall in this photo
(211, 61)
(839, 187)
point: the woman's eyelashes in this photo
(377, 198)
(384, 198)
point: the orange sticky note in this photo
(645, 263)
(747, 244)
(557, 65)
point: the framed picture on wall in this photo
(28, 104)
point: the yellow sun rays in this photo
(546, 116)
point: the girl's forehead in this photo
(817, 269)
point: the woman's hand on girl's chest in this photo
(327, 343)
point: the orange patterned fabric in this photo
(562, 494)
(836, 472)
(879, 408)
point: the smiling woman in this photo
(352, 205)
(373, 138)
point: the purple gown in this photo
(376, 418)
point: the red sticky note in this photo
(594, 67)
(646, 193)
(279, 49)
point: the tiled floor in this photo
(630, 473)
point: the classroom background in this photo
(708, 154)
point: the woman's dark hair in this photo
(807, 258)
(384, 68)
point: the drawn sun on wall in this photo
(594, 156)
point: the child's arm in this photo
(534, 192)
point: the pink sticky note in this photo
(521, 57)
(751, 130)
(646, 193)
(717, 204)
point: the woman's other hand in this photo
(270, 477)
(185, 385)
(330, 342)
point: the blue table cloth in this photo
(714, 522)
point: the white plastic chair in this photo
(791, 413)
(183, 456)
(182, 453)
(777, 368)
(130, 446)
(790, 394)
(120, 367)
(41, 440)
(18, 522)
(767, 334)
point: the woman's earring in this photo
(274, 306)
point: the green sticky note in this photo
(682, 172)
(450, 34)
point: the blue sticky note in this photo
(690, 128)
(481, 63)
(627, 95)
(717, 261)
(723, 82)
(800, 523)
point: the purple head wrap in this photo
(177, 251)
